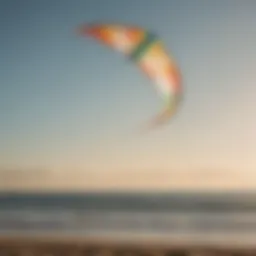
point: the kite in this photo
(146, 49)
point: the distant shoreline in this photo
(134, 192)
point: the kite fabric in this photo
(146, 50)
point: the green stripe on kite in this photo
(143, 46)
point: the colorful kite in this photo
(147, 51)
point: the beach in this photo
(75, 247)
(128, 224)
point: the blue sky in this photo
(68, 103)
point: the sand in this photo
(30, 246)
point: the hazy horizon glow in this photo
(68, 103)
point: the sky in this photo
(70, 104)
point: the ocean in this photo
(195, 216)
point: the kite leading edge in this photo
(147, 51)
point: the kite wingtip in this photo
(83, 29)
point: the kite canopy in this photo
(144, 48)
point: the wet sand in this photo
(78, 247)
